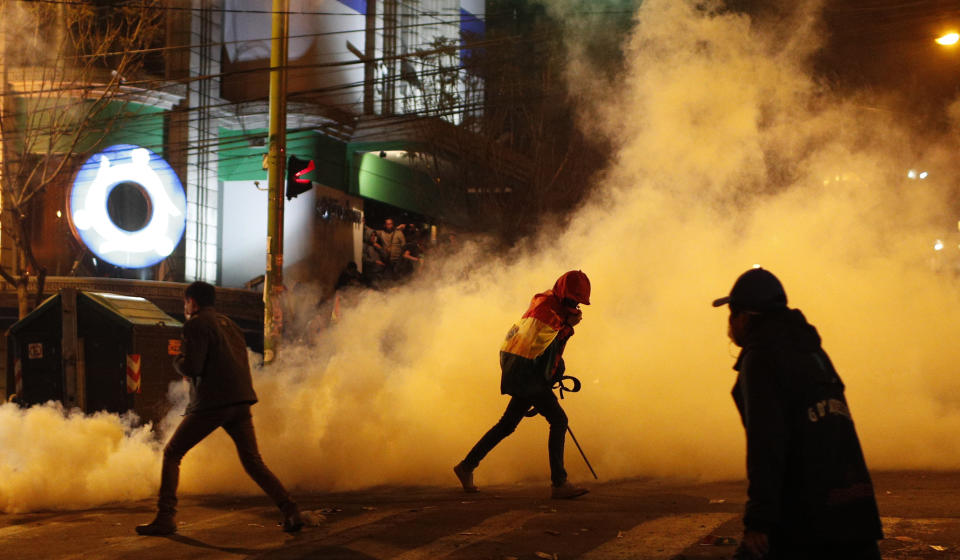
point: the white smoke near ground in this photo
(54, 459)
(728, 154)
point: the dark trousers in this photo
(238, 423)
(862, 550)
(547, 405)
(783, 549)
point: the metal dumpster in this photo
(94, 351)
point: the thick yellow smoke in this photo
(52, 460)
(728, 155)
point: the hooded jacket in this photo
(807, 476)
(531, 357)
(213, 357)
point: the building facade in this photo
(364, 77)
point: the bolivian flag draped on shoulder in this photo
(531, 355)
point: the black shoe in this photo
(161, 525)
(466, 478)
(292, 522)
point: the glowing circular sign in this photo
(124, 164)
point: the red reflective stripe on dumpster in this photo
(133, 373)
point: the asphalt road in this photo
(629, 519)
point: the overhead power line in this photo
(229, 150)
(167, 7)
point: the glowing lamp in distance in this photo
(948, 39)
(125, 164)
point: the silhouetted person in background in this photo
(392, 240)
(349, 276)
(213, 357)
(374, 259)
(412, 258)
(809, 494)
(531, 361)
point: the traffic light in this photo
(296, 169)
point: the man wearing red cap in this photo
(531, 361)
(809, 494)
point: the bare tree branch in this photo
(69, 103)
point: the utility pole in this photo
(4, 128)
(389, 56)
(370, 59)
(276, 164)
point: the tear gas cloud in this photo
(728, 154)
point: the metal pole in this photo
(369, 61)
(276, 164)
(68, 349)
(582, 454)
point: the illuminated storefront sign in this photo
(137, 170)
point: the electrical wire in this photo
(129, 121)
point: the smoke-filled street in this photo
(643, 519)
(713, 137)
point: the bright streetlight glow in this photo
(949, 39)
(938, 246)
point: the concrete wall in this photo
(315, 248)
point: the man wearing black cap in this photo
(809, 494)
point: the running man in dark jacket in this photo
(809, 493)
(213, 358)
(531, 361)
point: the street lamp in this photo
(948, 39)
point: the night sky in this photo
(886, 47)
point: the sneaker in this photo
(567, 491)
(292, 521)
(161, 525)
(466, 478)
